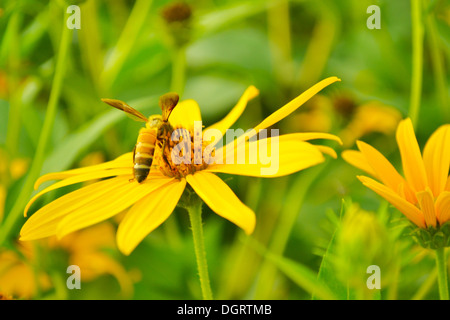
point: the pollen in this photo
(190, 153)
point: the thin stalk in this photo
(441, 264)
(417, 60)
(279, 33)
(195, 216)
(127, 40)
(44, 138)
(320, 45)
(12, 134)
(426, 286)
(288, 216)
(437, 63)
(178, 70)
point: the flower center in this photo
(182, 154)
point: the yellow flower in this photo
(370, 117)
(89, 248)
(153, 200)
(423, 194)
(18, 279)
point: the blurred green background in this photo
(51, 119)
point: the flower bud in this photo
(177, 16)
(362, 241)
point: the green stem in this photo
(127, 41)
(195, 216)
(417, 60)
(441, 264)
(279, 33)
(291, 209)
(44, 138)
(12, 134)
(320, 45)
(178, 70)
(437, 63)
(426, 286)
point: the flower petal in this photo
(117, 200)
(81, 178)
(271, 157)
(327, 150)
(426, 203)
(436, 157)
(443, 207)
(44, 222)
(222, 200)
(306, 136)
(236, 112)
(147, 214)
(408, 209)
(124, 161)
(358, 160)
(385, 171)
(294, 104)
(185, 114)
(413, 166)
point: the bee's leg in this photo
(163, 153)
(134, 153)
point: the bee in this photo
(156, 131)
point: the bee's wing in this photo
(132, 113)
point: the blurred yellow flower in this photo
(317, 115)
(153, 201)
(370, 117)
(88, 249)
(423, 195)
(3, 84)
(357, 120)
(19, 279)
(92, 159)
(19, 167)
(10, 171)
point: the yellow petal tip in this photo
(125, 251)
(253, 91)
(39, 181)
(25, 211)
(363, 179)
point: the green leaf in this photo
(243, 48)
(327, 271)
(298, 273)
(226, 16)
(4, 108)
(303, 277)
(63, 156)
(212, 98)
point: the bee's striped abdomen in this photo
(143, 153)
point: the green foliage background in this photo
(125, 50)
